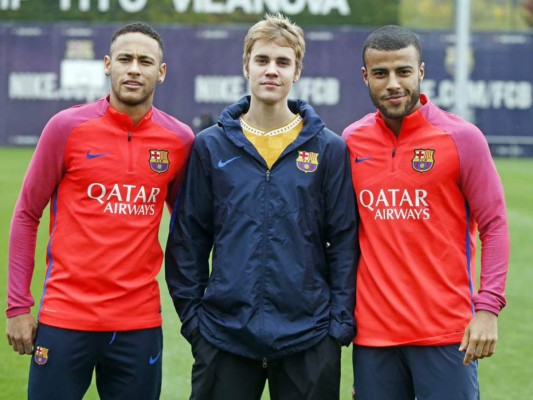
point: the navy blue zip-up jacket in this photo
(283, 241)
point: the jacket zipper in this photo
(394, 160)
(265, 247)
(130, 152)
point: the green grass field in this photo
(506, 376)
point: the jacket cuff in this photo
(190, 329)
(344, 333)
(13, 312)
(487, 307)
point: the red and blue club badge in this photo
(307, 161)
(159, 161)
(423, 160)
(41, 355)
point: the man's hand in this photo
(481, 336)
(20, 332)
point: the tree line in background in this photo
(487, 15)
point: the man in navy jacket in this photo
(268, 192)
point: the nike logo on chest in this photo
(362, 159)
(222, 164)
(90, 156)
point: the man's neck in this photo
(136, 113)
(267, 117)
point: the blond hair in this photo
(277, 28)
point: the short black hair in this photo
(139, 27)
(390, 38)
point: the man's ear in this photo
(107, 65)
(297, 75)
(365, 75)
(162, 73)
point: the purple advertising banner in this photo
(46, 68)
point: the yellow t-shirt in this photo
(271, 144)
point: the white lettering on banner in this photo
(290, 7)
(396, 203)
(10, 4)
(227, 89)
(43, 86)
(318, 91)
(123, 199)
(510, 95)
(22, 84)
(83, 5)
(181, 5)
(132, 6)
(218, 89)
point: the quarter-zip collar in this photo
(124, 120)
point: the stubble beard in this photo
(132, 99)
(413, 98)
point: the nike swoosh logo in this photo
(91, 156)
(222, 164)
(153, 360)
(361, 159)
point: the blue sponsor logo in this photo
(91, 156)
(222, 164)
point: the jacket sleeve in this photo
(342, 251)
(190, 241)
(186, 138)
(42, 178)
(484, 194)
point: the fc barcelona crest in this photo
(159, 161)
(41, 355)
(423, 160)
(307, 161)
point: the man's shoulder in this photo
(449, 122)
(213, 132)
(98, 106)
(331, 137)
(367, 121)
(211, 138)
(171, 123)
(71, 117)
